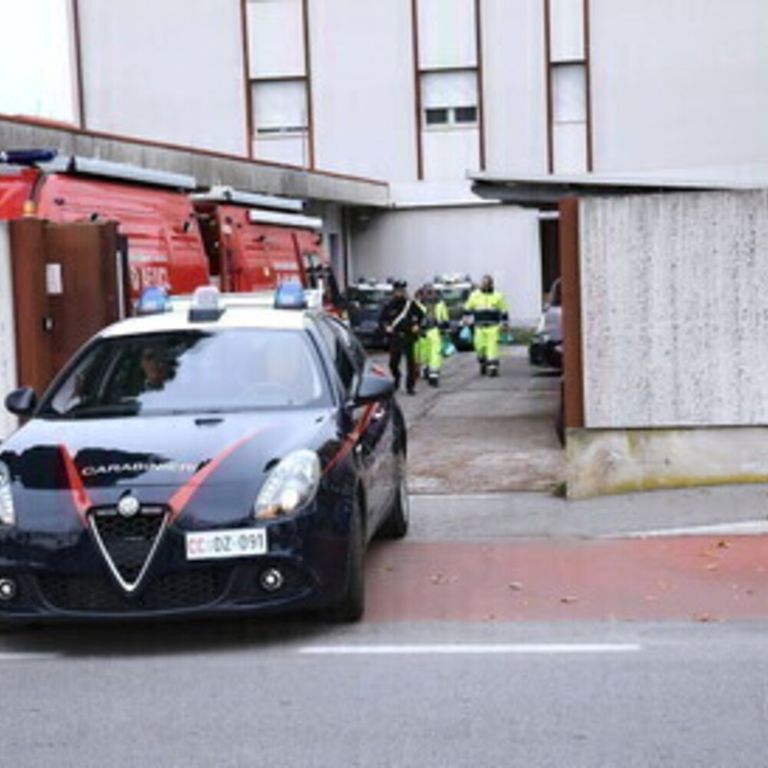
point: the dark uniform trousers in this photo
(403, 344)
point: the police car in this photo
(219, 457)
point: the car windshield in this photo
(191, 372)
(370, 298)
(454, 295)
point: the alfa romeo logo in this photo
(128, 506)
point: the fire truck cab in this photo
(152, 209)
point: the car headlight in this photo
(291, 485)
(7, 512)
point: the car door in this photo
(373, 423)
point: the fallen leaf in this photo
(515, 586)
(569, 599)
(704, 618)
(723, 544)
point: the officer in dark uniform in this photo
(400, 320)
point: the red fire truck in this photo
(175, 239)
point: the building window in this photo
(280, 87)
(466, 115)
(569, 93)
(280, 107)
(568, 87)
(436, 116)
(449, 98)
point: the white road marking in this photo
(27, 656)
(747, 528)
(495, 649)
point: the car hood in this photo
(159, 450)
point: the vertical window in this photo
(278, 81)
(37, 59)
(569, 93)
(568, 84)
(448, 72)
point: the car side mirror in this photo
(21, 402)
(374, 387)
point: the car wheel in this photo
(395, 525)
(352, 604)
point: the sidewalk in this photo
(539, 515)
(476, 434)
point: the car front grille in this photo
(96, 594)
(127, 543)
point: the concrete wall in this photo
(514, 86)
(619, 461)
(679, 84)
(8, 373)
(169, 71)
(674, 318)
(674, 310)
(417, 244)
(363, 87)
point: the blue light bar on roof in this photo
(27, 156)
(290, 295)
(153, 300)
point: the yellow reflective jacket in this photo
(486, 308)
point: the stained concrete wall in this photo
(8, 373)
(675, 310)
(675, 318)
(619, 461)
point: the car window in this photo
(344, 349)
(350, 342)
(189, 372)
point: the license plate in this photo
(217, 545)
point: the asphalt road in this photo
(415, 694)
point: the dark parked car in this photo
(365, 300)
(210, 460)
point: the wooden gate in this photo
(69, 281)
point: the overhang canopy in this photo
(209, 168)
(536, 191)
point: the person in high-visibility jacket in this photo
(435, 321)
(487, 309)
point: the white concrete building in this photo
(422, 94)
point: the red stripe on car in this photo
(181, 498)
(351, 439)
(80, 497)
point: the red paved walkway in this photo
(688, 578)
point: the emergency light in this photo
(205, 304)
(153, 300)
(290, 295)
(27, 156)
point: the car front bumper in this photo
(65, 577)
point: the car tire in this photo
(351, 607)
(397, 521)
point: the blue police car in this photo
(220, 457)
